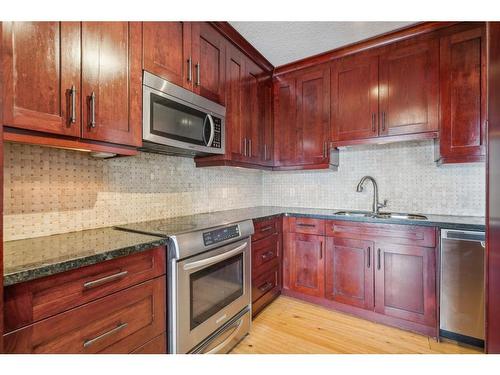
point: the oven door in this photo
(212, 288)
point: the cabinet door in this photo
(208, 47)
(111, 70)
(349, 272)
(405, 282)
(41, 63)
(285, 132)
(409, 84)
(167, 51)
(252, 110)
(235, 125)
(354, 98)
(463, 96)
(313, 114)
(306, 264)
(266, 100)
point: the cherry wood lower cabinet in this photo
(381, 272)
(117, 306)
(266, 263)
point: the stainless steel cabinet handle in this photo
(190, 70)
(249, 147)
(104, 280)
(321, 250)
(117, 329)
(265, 229)
(378, 259)
(265, 152)
(373, 122)
(324, 149)
(72, 92)
(198, 82)
(265, 287)
(267, 255)
(244, 147)
(383, 120)
(92, 110)
(306, 225)
(369, 256)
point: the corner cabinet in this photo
(302, 119)
(463, 95)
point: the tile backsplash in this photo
(406, 174)
(49, 191)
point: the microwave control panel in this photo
(217, 133)
(220, 235)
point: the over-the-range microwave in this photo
(177, 121)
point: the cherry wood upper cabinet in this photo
(354, 94)
(285, 133)
(252, 111)
(349, 272)
(405, 282)
(313, 115)
(463, 95)
(409, 87)
(209, 51)
(112, 82)
(266, 104)
(41, 74)
(167, 51)
(306, 263)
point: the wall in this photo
(50, 191)
(406, 175)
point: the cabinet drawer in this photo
(307, 225)
(265, 251)
(392, 233)
(266, 228)
(118, 323)
(32, 301)
(266, 282)
(158, 345)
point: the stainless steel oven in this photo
(178, 121)
(209, 289)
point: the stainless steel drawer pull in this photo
(267, 255)
(306, 225)
(265, 287)
(268, 228)
(369, 256)
(190, 70)
(72, 92)
(117, 329)
(197, 66)
(104, 280)
(378, 259)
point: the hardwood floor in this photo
(290, 326)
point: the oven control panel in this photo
(219, 235)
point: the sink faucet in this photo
(376, 205)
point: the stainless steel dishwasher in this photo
(462, 286)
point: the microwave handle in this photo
(212, 129)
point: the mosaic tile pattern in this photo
(49, 191)
(406, 175)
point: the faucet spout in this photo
(376, 206)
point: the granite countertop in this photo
(29, 259)
(178, 225)
(32, 258)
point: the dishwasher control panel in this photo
(220, 235)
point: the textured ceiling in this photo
(284, 42)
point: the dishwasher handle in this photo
(463, 235)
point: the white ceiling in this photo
(284, 42)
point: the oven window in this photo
(215, 287)
(174, 120)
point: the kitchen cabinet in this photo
(349, 271)
(302, 118)
(266, 263)
(306, 263)
(111, 82)
(208, 49)
(41, 75)
(463, 95)
(392, 91)
(354, 88)
(267, 128)
(77, 80)
(405, 282)
(167, 51)
(116, 306)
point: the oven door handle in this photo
(214, 259)
(212, 130)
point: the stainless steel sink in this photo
(398, 215)
(382, 215)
